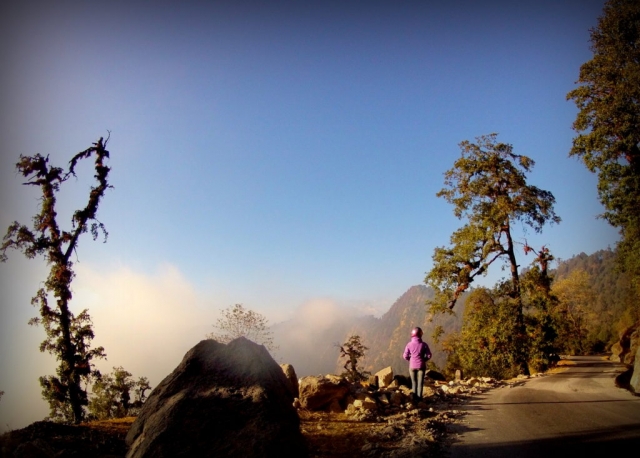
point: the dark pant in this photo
(417, 379)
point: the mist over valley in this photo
(309, 340)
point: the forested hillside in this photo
(597, 295)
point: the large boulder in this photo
(634, 344)
(621, 351)
(318, 393)
(221, 400)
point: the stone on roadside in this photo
(385, 377)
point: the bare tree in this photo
(237, 322)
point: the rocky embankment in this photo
(381, 418)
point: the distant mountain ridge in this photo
(313, 350)
(309, 341)
(387, 336)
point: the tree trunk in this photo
(68, 356)
(517, 296)
(515, 278)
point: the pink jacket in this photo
(417, 353)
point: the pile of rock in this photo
(385, 394)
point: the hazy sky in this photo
(271, 154)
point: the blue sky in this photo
(272, 154)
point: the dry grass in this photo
(411, 433)
(117, 426)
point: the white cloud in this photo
(320, 314)
(146, 323)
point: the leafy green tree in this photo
(541, 321)
(608, 122)
(487, 344)
(117, 395)
(487, 186)
(68, 336)
(490, 344)
(353, 350)
(237, 322)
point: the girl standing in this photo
(417, 353)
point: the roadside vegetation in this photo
(522, 323)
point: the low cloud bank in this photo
(308, 341)
(146, 322)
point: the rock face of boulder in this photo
(635, 377)
(317, 393)
(221, 400)
(624, 350)
(435, 375)
(290, 373)
(634, 344)
(385, 376)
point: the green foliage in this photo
(353, 350)
(117, 395)
(608, 122)
(487, 187)
(57, 390)
(237, 322)
(597, 300)
(541, 321)
(68, 337)
(493, 341)
(490, 343)
(575, 296)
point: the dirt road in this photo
(577, 411)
